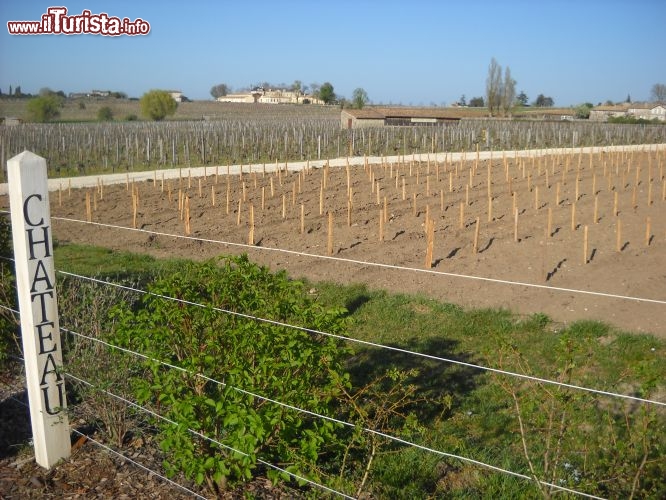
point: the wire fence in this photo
(388, 348)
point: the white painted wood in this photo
(40, 329)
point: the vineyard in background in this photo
(277, 133)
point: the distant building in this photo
(271, 96)
(177, 95)
(11, 121)
(395, 116)
(92, 93)
(647, 111)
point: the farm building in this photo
(10, 121)
(177, 95)
(648, 111)
(381, 116)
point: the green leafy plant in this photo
(9, 339)
(157, 104)
(564, 441)
(224, 360)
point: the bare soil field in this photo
(571, 270)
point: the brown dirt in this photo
(638, 270)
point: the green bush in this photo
(157, 105)
(105, 114)
(288, 365)
(9, 340)
(45, 108)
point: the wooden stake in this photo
(573, 216)
(302, 218)
(430, 242)
(187, 216)
(250, 239)
(618, 235)
(88, 209)
(329, 246)
(649, 199)
(615, 207)
(585, 245)
(228, 195)
(648, 232)
(238, 216)
(414, 203)
(212, 195)
(475, 248)
(515, 226)
(381, 225)
(596, 209)
(284, 206)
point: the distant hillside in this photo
(85, 109)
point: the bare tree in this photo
(658, 92)
(508, 91)
(493, 86)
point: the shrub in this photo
(105, 114)
(9, 340)
(246, 356)
(157, 105)
(44, 108)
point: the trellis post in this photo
(35, 285)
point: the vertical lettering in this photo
(61, 400)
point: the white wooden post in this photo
(35, 284)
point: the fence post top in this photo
(28, 155)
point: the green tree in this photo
(326, 93)
(522, 98)
(157, 104)
(544, 102)
(582, 111)
(44, 108)
(105, 114)
(219, 90)
(476, 102)
(359, 98)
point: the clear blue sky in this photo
(411, 52)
